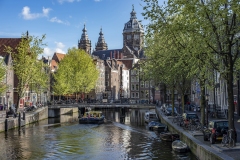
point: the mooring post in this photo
(19, 120)
(6, 124)
(23, 115)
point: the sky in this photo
(63, 20)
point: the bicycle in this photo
(176, 119)
(227, 140)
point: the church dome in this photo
(133, 25)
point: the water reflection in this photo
(124, 136)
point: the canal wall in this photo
(30, 117)
(56, 112)
(198, 148)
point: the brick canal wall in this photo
(10, 123)
(198, 148)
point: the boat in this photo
(157, 126)
(150, 116)
(169, 137)
(92, 117)
(179, 146)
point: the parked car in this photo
(154, 125)
(168, 111)
(190, 116)
(215, 130)
(164, 106)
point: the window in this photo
(137, 87)
(146, 94)
(136, 36)
(136, 95)
(137, 79)
(132, 78)
(146, 84)
(132, 95)
(142, 84)
(133, 87)
(129, 36)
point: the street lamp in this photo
(179, 98)
(8, 95)
(207, 98)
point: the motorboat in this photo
(150, 116)
(92, 117)
(157, 126)
(179, 146)
(169, 137)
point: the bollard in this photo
(6, 124)
(23, 115)
(19, 120)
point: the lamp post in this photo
(207, 98)
(179, 98)
(8, 94)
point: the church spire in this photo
(84, 42)
(101, 44)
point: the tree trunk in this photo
(173, 101)
(202, 102)
(230, 102)
(183, 107)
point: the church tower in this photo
(133, 33)
(101, 44)
(84, 42)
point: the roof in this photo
(104, 54)
(11, 42)
(60, 56)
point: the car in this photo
(168, 111)
(155, 125)
(215, 131)
(189, 116)
(164, 106)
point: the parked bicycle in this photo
(227, 140)
(177, 119)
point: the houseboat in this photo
(92, 117)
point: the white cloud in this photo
(60, 45)
(26, 13)
(70, 1)
(55, 19)
(48, 52)
(59, 48)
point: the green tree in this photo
(213, 27)
(27, 67)
(3, 70)
(76, 73)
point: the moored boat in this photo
(150, 116)
(168, 136)
(92, 117)
(179, 146)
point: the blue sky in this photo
(62, 21)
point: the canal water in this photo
(123, 137)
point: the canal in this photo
(64, 138)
